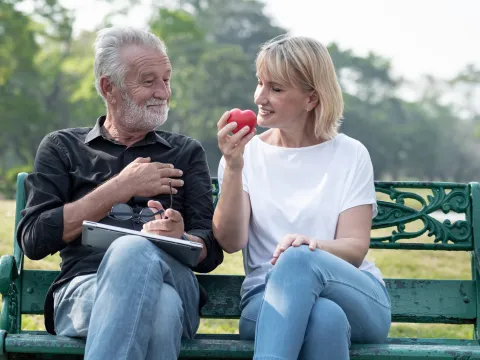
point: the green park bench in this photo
(413, 300)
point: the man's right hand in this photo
(145, 178)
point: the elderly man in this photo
(133, 301)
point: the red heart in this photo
(242, 118)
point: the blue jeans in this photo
(312, 306)
(139, 304)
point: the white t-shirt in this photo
(300, 191)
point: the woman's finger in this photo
(223, 120)
(287, 241)
(276, 254)
(222, 134)
(313, 244)
(246, 138)
(277, 251)
(300, 240)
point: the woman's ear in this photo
(313, 99)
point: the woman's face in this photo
(281, 106)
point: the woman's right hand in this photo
(232, 146)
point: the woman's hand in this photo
(232, 146)
(294, 240)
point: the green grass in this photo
(393, 263)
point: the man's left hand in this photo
(294, 240)
(170, 225)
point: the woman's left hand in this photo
(294, 240)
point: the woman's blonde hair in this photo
(305, 63)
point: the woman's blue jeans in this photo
(313, 306)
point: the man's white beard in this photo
(141, 117)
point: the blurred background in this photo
(410, 72)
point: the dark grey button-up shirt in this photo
(71, 163)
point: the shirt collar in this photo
(151, 136)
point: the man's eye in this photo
(149, 82)
(166, 80)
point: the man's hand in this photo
(169, 224)
(203, 254)
(144, 178)
(294, 240)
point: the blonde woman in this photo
(299, 201)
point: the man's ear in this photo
(106, 87)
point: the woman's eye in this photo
(276, 89)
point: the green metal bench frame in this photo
(413, 300)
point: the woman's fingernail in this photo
(245, 129)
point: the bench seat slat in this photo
(228, 348)
(412, 301)
(398, 341)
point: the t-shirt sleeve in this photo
(360, 189)
(221, 170)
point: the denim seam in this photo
(75, 298)
(256, 326)
(248, 318)
(360, 291)
(140, 307)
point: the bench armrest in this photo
(8, 273)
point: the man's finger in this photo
(158, 206)
(173, 215)
(142, 160)
(160, 165)
(168, 173)
(159, 225)
(165, 189)
(313, 244)
(155, 204)
(176, 183)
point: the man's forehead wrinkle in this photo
(138, 58)
(149, 66)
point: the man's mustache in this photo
(156, 102)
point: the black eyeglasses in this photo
(124, 212)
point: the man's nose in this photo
(162, 91)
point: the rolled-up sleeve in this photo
(40, 230)
(198, 213)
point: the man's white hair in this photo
(107, 48)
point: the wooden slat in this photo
(227, 349)
(393, 341)
(425, 301)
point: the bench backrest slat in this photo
(412, 300)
